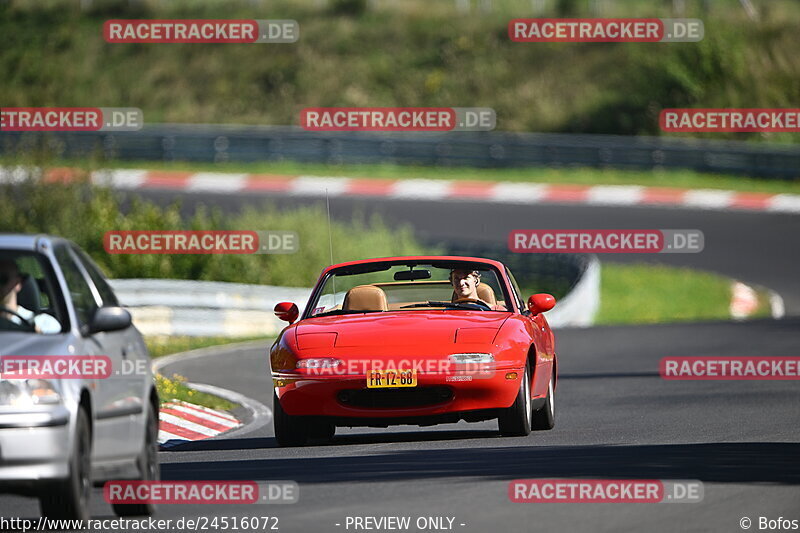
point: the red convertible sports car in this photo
(414, 340)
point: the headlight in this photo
(28, 392)
(320, 362)
(472, 358)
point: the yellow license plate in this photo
(390, 379)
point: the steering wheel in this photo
(25, 322)
(474, 301)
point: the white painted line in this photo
(180, 422)
(216, 182)
(708, 198)
(319, 185)
(189, 355)
(518, 192)
(424, 189)
(784, 203)
(615, 195)
(120, 179)
(260, 413)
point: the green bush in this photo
(410, 53)
(84, 213)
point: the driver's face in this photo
(465, 283)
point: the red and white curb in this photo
(183, 421)
(427, 189)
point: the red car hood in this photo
(402, 328)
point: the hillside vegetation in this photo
(359, 53)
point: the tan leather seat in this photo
(365, 298)
(485, 294)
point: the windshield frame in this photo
(379, 266)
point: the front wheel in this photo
(149, 469)
(289, 430)
(515, 421)
(69, 499)
(545, 418)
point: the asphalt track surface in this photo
(616, 418)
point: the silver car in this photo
(59, 434)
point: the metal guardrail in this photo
(218, 143)
(204, 308)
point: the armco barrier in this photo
(202, 308)
(579, 307)
(205, 308)
(220, 143)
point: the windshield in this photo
(29, 301)
(378, 287)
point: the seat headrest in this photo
(365, 298)
(28, 296)
(485, 293)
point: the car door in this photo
(112, 430)
(135, 377)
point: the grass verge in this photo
(175, 388)
(650, 294)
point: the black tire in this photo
(545, 418)
(289, 430)
(515, 421)
(68, 499)
(149, 469)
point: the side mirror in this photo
(539, 303)
(287, 311)
(110, 319)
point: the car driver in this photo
(10, 285)
(465, 284)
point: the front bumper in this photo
(34, 446)
(435, 394)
